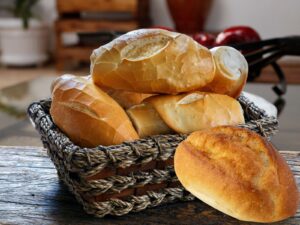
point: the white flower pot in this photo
(20, 47)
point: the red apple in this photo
(237, 34)
(204, 38)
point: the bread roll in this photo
(126, 99)
(237, 172)
(152, 61)
(231, 72)
(193, 111)
(88, 115)
(63, 78)
(147, 121)
(185, 113)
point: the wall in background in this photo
(47, 10)
(270, 17)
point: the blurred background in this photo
(41, 39)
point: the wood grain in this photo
(74, 25)
(30, 193)
(72, 6)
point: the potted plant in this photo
(23, 38)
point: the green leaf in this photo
(23, 10)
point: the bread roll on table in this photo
(185, 113)
(237, 172)
(87, 115)
(152, 61)
(231, 72)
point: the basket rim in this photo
(138, 151)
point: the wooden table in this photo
(30, 193)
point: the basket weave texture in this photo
(129, 177)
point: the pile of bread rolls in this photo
(153, 81)
(149, 82)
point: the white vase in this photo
(23, 47)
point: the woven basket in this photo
(129, 177)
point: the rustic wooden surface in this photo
(30, 193)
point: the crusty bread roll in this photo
(237, 172)
(62, 78)
(231, 72)
(126, 99)
(87, 114)
(152, 61)
(185, 113)
(193, 111)
(147, 121)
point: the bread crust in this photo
(147, 121)
(237, 172)
(88, 115)
(152, 61)
(186, 113)
(126, 99)
(231, 72)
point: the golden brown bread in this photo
(152, 61)
(185, 113)
(237, 172)
(231, 72)
(63, 78)
(126, 99)
(193, 111)
(87, 114)
(147, 121)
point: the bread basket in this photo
(129, 177)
